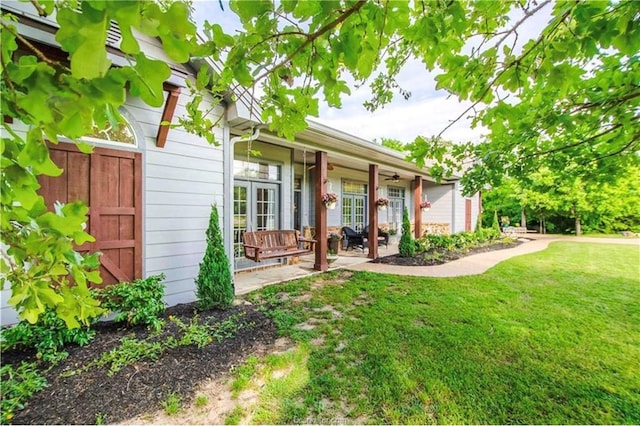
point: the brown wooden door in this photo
(467, 215)
(110, 183)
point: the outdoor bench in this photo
(260, 245)
(629, 234)
(514, 230)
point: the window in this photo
(395, 192)
(121, 133)
(354, 205)
(396, 207)
(256, 170)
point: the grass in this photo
(171, 404)
(551, 337)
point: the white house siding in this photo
(459, 202)
(181, 182)
(441, 198)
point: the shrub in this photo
(214, 282)
(492, 234)
(406, 246)
(481, 235)
(464, 240)
(495, 225)
(47, 336)
(442, 242)
(479, 221)
(17, 386)
(139, 302)
(422, 244)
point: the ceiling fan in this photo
(394, 178)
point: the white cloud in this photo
(427, 112)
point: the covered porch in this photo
(288, 180)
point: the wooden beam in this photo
(373, 211)
(321, 212)
(167, 114)
(417, 212)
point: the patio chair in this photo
(381, 235)
(351, 238)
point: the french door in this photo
(394, 213)
(354, 211)
(256, 207)
(396, 207)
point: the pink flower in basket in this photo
(329, 198)
(380, 202)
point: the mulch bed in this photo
(438, 257)
(140, 388)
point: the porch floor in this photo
(250, 280)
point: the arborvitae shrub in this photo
(496, 225)
(214, 283)
(407, 248)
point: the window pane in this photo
(120, 134)
(347, 211)
(239, 218)
(256, 170)
(395, 192)
(354, 187)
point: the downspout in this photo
(229, 143)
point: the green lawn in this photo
(551, 337)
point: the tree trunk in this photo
(523, 219)
(578, 227)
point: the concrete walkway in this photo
(248, 281)
(479, 263)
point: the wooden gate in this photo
(110, 183)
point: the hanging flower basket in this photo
(382, 203)
(329, 199)
(425, 206)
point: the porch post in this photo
(373, 211)
(417, 212)
(321, 212)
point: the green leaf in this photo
(248, 9)
(36, 154)
(84, 35)
(146, 79)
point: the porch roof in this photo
(347, 149)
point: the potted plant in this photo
(393, 235)
(382, 203)
(425, 205)
(329, 199)
(334, 243)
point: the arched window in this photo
(120, 133)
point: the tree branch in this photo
(575, 144)
(504, 70)
(634, 139)
(34, 49)
(312, 37)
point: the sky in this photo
(427, 112)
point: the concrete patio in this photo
(248, 281)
